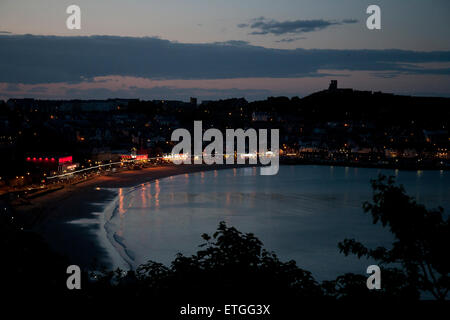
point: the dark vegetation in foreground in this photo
(233, 265)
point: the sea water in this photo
(301, 213)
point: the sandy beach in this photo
(50, 214)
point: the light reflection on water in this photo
(301, 213)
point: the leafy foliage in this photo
(422, 238)
(230, 263)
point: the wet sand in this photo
(50, 215)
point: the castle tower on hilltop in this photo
(333, 85)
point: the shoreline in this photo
(362, 164)
(69, 218)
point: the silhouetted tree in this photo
(234, 264)
(230, 264)
(421, 245)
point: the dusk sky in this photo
(174, 49)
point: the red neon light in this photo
(137, 157)
(53, 159)
(40, 159)
(34, 159)
(65, 160)
(28, 159)
(46, 159)
(141, 156)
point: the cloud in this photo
(39, 89)
(350, 21)
(4, 32)
(32, 59)
(170, 93)
(289, 39)
(158, 92)
(263, 26)
(12, 87)
(233, 43)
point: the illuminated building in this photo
(50, 163)
(138, 157)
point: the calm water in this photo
(301, 213)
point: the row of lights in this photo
(40, 159)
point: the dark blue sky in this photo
(216, 49)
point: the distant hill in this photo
(354, 104)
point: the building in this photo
(50, 164)
(333, 85)
(260, 116)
